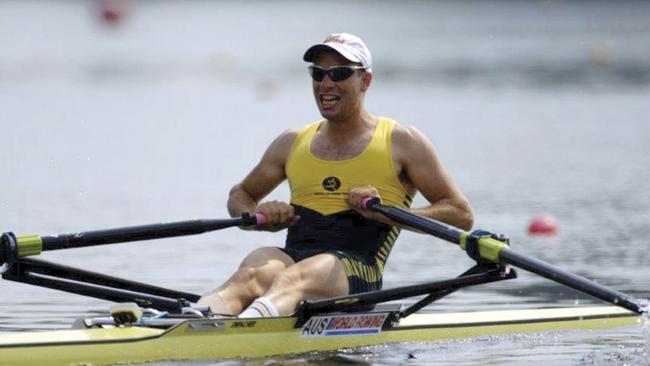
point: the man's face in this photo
(339, 100)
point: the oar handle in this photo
(496, 251)
(13, 247)
(370, 203)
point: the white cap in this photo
(347, 45)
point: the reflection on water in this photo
(534, 107)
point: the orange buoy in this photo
(543, 225)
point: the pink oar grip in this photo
(260, 219)
(364, 202)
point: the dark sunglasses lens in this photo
(317, 74)
(340, 73)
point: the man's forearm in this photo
(240, 201)
(455, 212)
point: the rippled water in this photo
(535, 107)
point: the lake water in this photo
(538, 107)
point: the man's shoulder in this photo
(405, 134)
(289, 134)
(292, 133)
(286, 139)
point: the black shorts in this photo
(363, 271)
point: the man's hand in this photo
(355, 197)
(279, 215)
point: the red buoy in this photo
(543, 225)
(112, 11)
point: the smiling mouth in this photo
(329, 100)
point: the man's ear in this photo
(367, 80)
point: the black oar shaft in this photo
(507, 255)
(12, 248)
(136, 233)
(574, 281)
(424, 224)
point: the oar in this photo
(12, 247)
(499, 252)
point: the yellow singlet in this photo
(319, 190)
(323, 185)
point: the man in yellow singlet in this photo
(333, 246)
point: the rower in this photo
(334, 246)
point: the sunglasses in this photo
(336, 73)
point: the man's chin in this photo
(328, 114)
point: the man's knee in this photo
(244, 274)
(290, 277)
(312, 278)
(265, 255)
(248, 278)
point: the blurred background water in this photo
(536, 107)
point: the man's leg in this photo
(252, 280)
(316, 277)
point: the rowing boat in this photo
(194, 339)
(151, 323)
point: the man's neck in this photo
(351, 126)
(343, 139)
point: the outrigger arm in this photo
(100, 286)
(478, 275)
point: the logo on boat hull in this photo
(339, 325)
(208, 325)
(243, 324)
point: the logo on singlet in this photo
(331, 184)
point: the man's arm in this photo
(264, 178)
(422, 168)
